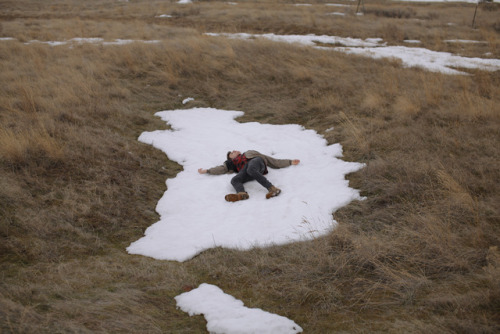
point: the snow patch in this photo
(434, 61)
(189, 99)
(226, 314)
(194, 214)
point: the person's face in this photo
(234, 154)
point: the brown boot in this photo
(237, 197)
(273, 192)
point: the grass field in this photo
(420, 254)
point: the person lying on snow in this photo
(250, 165)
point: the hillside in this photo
(419, 254)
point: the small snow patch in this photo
(189, 99)
(226, 314)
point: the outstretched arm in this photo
(295, 162)
(218, 170)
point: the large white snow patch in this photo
(194, 214)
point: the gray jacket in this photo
(269, 161)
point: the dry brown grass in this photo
(430, 23)
(420, 254)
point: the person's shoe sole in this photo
(273, 194)
(236, 197)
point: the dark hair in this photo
(228, 153)
(230, 165)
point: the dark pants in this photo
(253, 170)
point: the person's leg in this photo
(237, 182)
(240, 178)
(255, 168)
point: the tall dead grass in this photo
(34, 144)
(76, 187)
(394, 22)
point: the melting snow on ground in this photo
(443, 62)
(434, 61)
(226, 314)
(194, 214)
(309, 40)
(91, 40)
(187, 100)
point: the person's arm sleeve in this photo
(270, 161)
(278, 163)
(218, 170)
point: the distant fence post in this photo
(475, 12)
(474, 18)
(360, 2)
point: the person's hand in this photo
(202, 171)
(295, 162)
